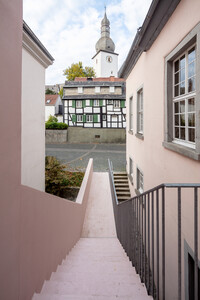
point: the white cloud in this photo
(70, 29)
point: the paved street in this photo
(76, 156)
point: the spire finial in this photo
(105, 8)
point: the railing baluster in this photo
(145, 238)
(142, 241)
(163, 243)
(157, 241)
(134, 233)
(196, 244)
(179, 244)
(136, 246)
(152, 235)
(139, 236)
(148, 243)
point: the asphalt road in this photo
(76, 156)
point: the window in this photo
(48, 101)
(89, 118)
(140, 183)
(104, 117)
(110, 101)
(131, 170)
(112, 89)
(96, 102)
(140, 111)
(131, 113)
(182, 100)
(79, 118)
(116, 104)
(80, 89)
(78, 103)
(97, 89)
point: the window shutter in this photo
(122, 103)
(84, 118)
(74, 118)
(95, 118)
(91, 102)
(100, 102)
(73, 103)
(83, 103)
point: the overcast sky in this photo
(69, 29)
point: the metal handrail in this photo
(140, 224)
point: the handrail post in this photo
(179, 244)
(196, 244)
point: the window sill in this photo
(138, 193)
(139, 136)
(130, 179)
(130, 132)
(186, 151)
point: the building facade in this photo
(95, 103)
(162, 71)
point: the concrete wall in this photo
(55, 136)
(87, 135)
(102, 67)
(36, 229)
(157, 163)
(33, 127)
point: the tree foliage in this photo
(61, 93)
(49, 92)
(77, 70)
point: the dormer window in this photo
(48, 101)
(97, 89)
(80, 89)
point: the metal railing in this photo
(141, 229)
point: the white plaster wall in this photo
(49, 110)
(104, 68)
(33, 119)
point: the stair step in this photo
(106, 289)
(124, 193)
(81, 297)
(122, 185)
(121, 198)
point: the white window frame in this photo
(140, 112)
(110, 102)
(96, 102)
(188, 149)
(140, 180)
(131, 114)
(131, 172)
(116, 104)
(78, 104)
(112, 89)
(183, 98)
(80, 89)
(97, 89)
(104, 117)
(79, 118)
(89, 118)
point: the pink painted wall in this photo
(158, 164)
(37, 230)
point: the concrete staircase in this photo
(121, 186)
(96, 268)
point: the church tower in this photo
(105, 61)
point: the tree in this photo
(77, 70)
(49, 92)
(61, 93)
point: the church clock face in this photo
(109, 58)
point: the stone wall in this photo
(55, 136)
(96, 135)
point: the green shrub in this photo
(52, 123)
(57, 178)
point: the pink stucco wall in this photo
(37, 230)
(160, 165)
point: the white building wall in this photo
(49, 110)
(33, 127)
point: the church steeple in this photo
(105, 43)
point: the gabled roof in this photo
(96, 79)
(159, 13)
(50, 100)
